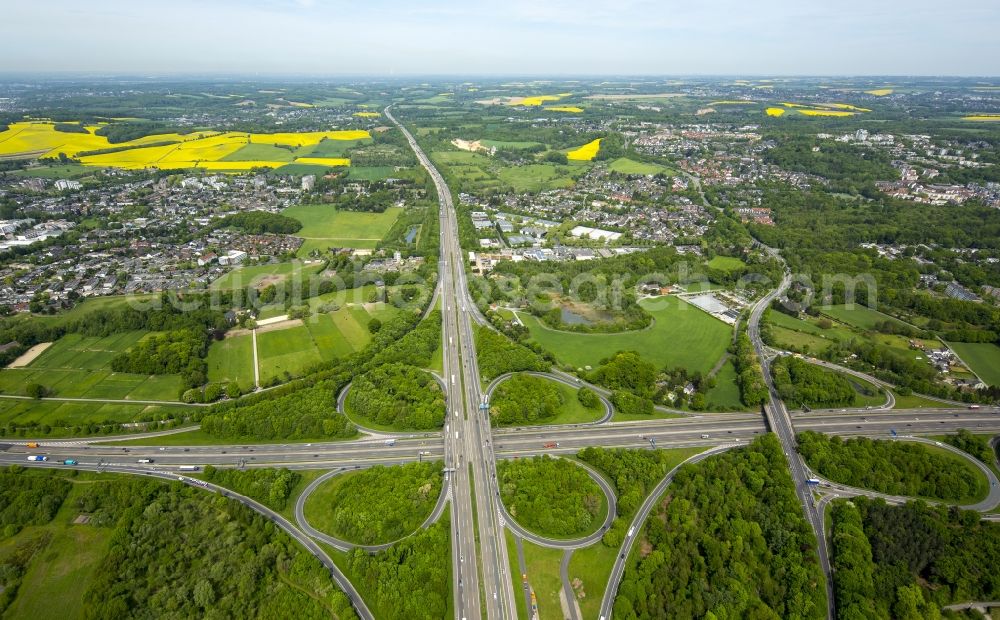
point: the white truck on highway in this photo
(390, 442)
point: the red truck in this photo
(551, 444)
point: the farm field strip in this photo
(205, 150)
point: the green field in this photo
(66, 171)
(542, 565)
(859, 316)
(511, 145)
(78, 366)
(681, 335)
(335, 148)
(321, 338)
(541, 177)
(231, 360)
(58, 414)
(260, 275)
(983, 359)
(371, 173)
(261, 152)
(625, 165)
(726, 263)
(725, 396)
(323, 226)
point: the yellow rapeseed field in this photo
(204, 149)
(587, 152)
(982, 117)
(879, 92)
(537, 100)
(826, 113)
(324, 161)
(774, 111)
(565, 108)
(367, 114)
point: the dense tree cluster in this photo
(28, 500)
(729, 542)
(552, 497)
(176, 553)
(627, 403)
(382, 504)
(907, 561)
(133, 130)
(307, 413)
(395, 341)
(497, 355)
(69, 128)
(625, 370)
(803, 383)
(850, 167)
(976, 445)
(524, 398)
(404, 397)
(177, 352)
(892, 467)
(411, 579)
(634, 474)
(260, 222)
(270, 487)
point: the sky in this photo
(508, 37)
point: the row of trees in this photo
(306, 413)
(749, 375)
(398, 395)
(892, 467)
(730, 542)
(552, 497)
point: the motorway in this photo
(467, 433)
(781, 424)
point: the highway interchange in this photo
(483, 585)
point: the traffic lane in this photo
(304, 462)
(399, 448)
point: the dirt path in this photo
(29, 356)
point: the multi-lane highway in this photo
(468, 446)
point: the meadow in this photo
(318, 338)
(231, 361)
(78, 366)
(625, 165)
(726, 263)
(983, 359)
(268, 273)
(681, 335)
(224, 152)
(323, 226)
